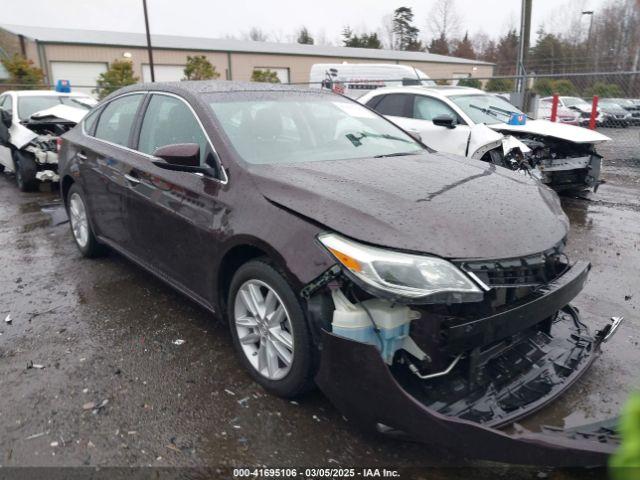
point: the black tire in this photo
(299, 378)
(91, 247)
(26, 169)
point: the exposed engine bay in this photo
(30, 145)
(43, 146)
(560, 164)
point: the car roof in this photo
(215, 86)
(46, 93)
(437, 91)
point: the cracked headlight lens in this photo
(402, 274)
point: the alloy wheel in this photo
(78, 219)
(264, 329)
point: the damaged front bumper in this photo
(505, 366)
(44, 151)
(354, 377)
(571, 173)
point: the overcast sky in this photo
(279, 18)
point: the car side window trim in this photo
(92, 130)
(136, 130)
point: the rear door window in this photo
(395, 104)
(117, 119)
(167, 121)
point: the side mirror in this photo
(444, 121)
(180, 154)
(5, 117)
(181, 157)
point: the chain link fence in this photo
(617, 111)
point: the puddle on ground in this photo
(56, 212)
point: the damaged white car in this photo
(475, 124)
(30, 124)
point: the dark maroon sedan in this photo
(427, 295)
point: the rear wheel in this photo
(269, 329)
(80, 224)
(25, 166)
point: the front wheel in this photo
(80, 224)
(26, 169)
(269, 329)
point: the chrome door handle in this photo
(81, 156)
(131, 179)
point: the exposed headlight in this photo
(402, 274)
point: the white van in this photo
(356, 79)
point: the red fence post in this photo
(554, 108)
(594, 113)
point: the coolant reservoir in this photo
(356, 322)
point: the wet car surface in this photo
(108, 327)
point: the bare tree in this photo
(256, 34)
(387, 33)
(321, 38)
(443, 20)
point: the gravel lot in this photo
(116, 391)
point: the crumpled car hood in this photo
(441, 204)
(63, 112)
(562, 131)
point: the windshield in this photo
(288, 127)
(28, 105)
(483, 108)
(573, 101)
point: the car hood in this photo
(562, 131)
(62, 112)
(614, 110)
(441, 204)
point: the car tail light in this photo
(58, 144)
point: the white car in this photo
(30, 123)
(475, 124)
(575, 104)
(563, 114)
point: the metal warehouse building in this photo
(81, 55)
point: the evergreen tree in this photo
(119, 74)
(199, 68)
(470, 82)
(366, 40)
(304, 37)
(23, 72)
(267, 76)
(439, 45)
(464, 48)
(406, 34)
(507, 53)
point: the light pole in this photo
(590, 13)
(523, 47)
(146, 26)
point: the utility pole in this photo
(149, 49)
(590, 13)
(523, 48)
